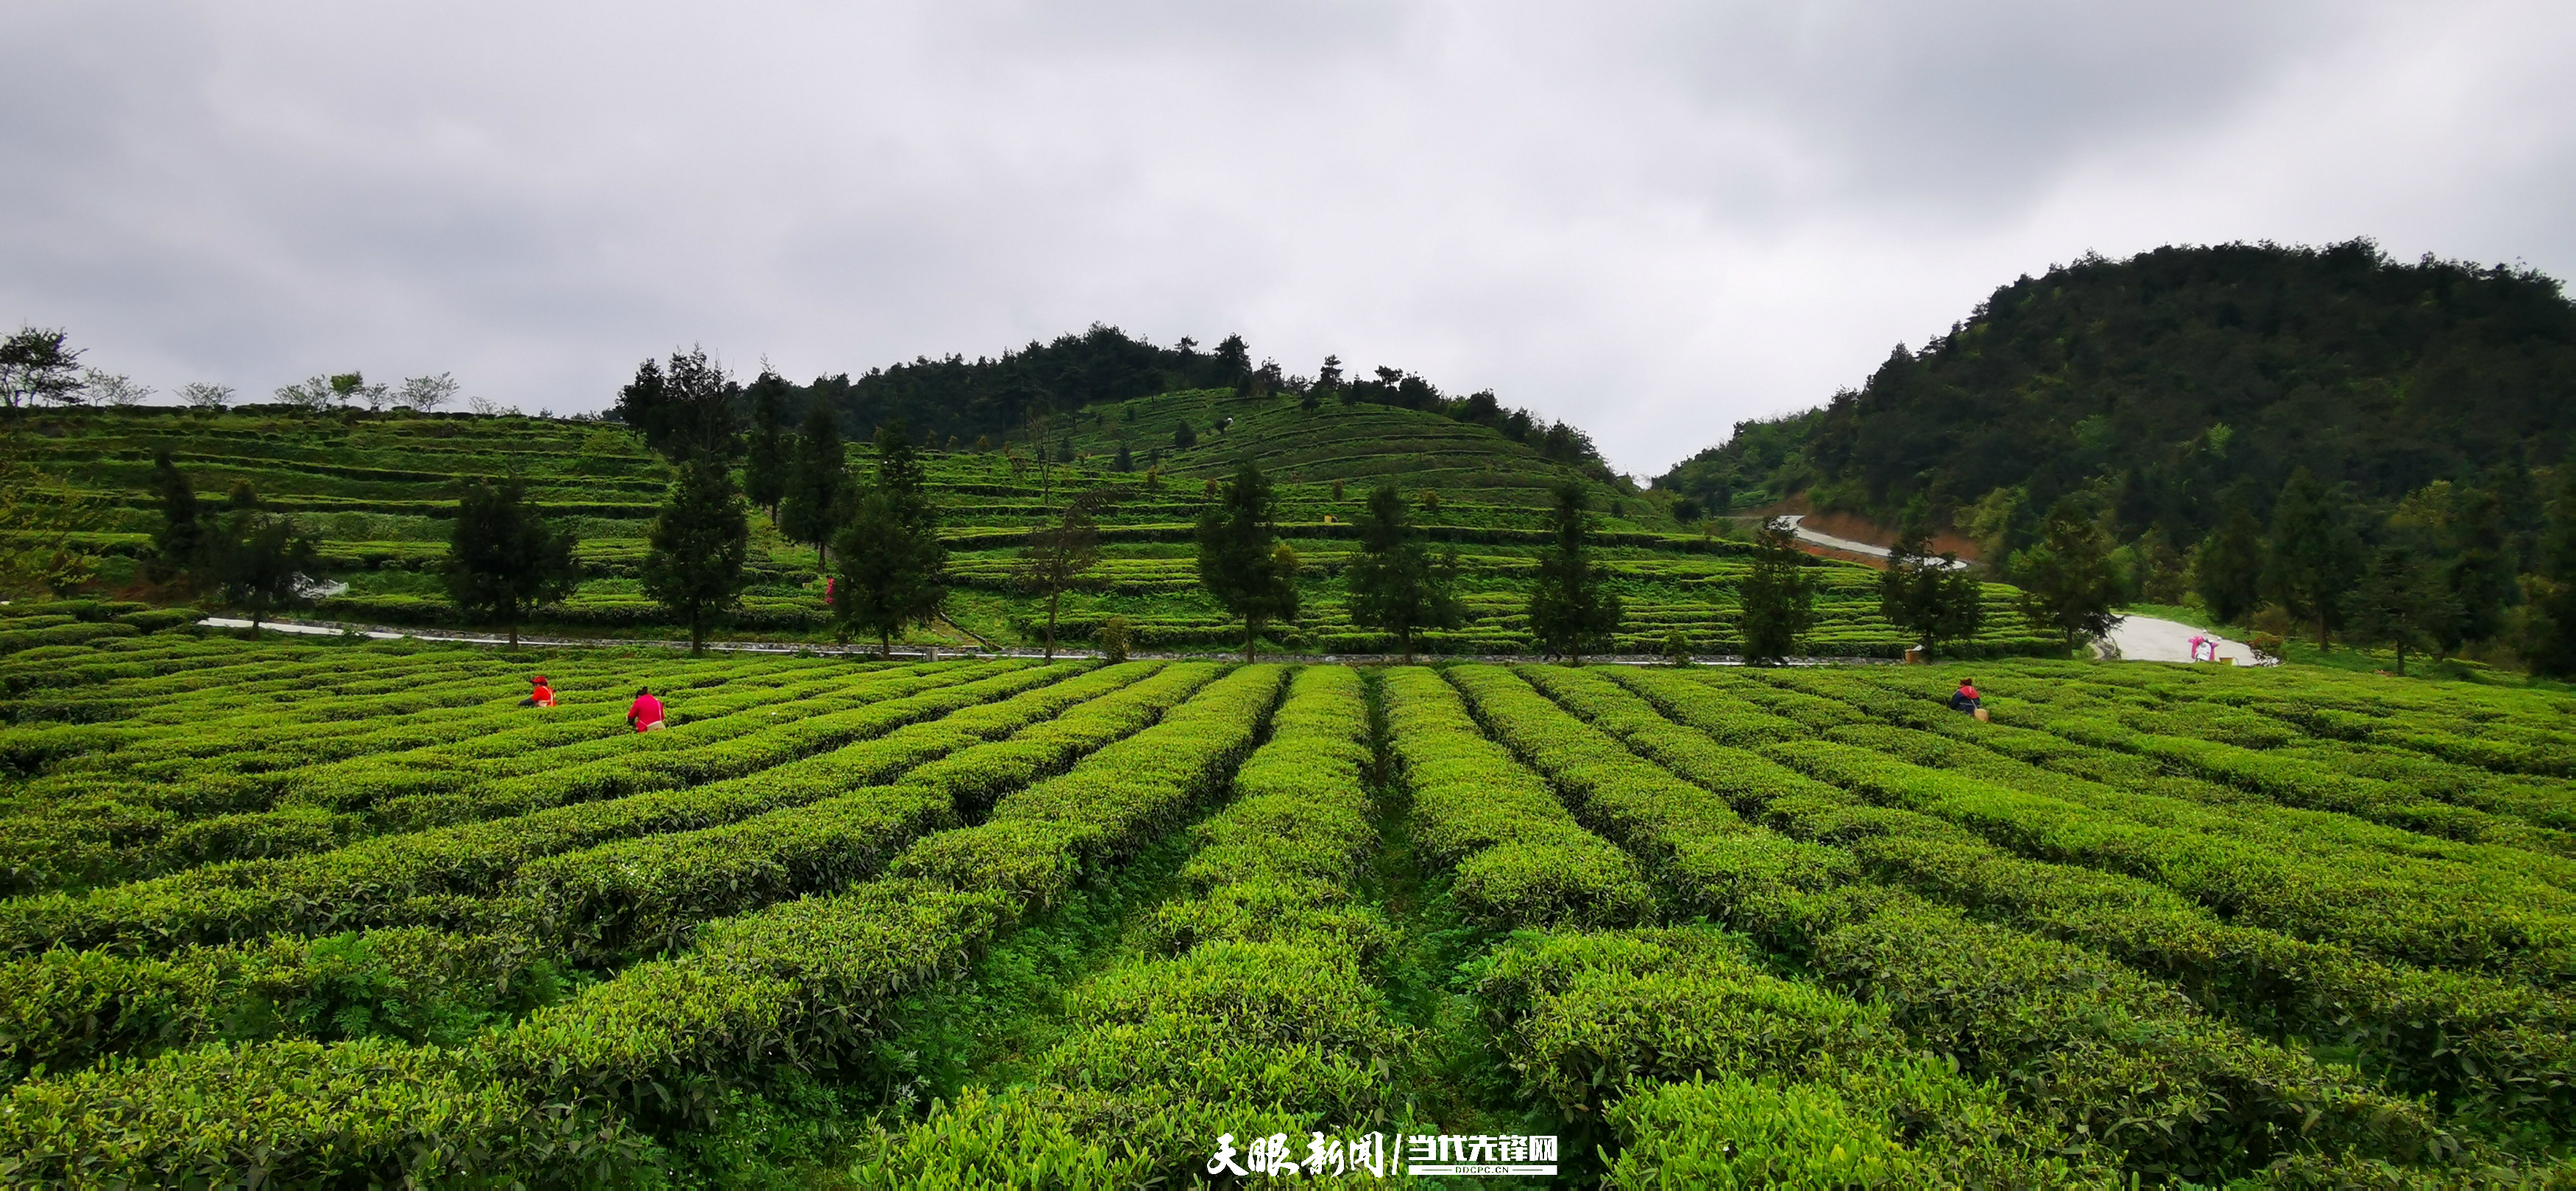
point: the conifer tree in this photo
(1572, 610)
(503, 559)
(2549, 639)
(262, 564)
(2067, 583)
(697, 546)
(2227, 569)
(178, 550)
(810, 510)
(2402, 604)
(1931, 597)
(1242, 563)
(766, 460)
(1396, 584)
(1778, 596)
(2481, 575)
(893, 567)
(2314, 558)
(684, 410)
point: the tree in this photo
(700, 538)
(684, 410)
(424, 394)
(1060, 555)
(1396, 584)
(1572, 610)
(1931, 597)
(205, 397)
(2549, 640)
(2481, 575)
(815, 494)
(114, 390)
(1243, 565)
(1234, 360)
(1778, 596)
(311, 396)
(261, 563)
(1183, 438)
(894, 569)
(2067, 583)
(766, 462)
(2314, 557)
(351, 387)
(2228, 568)
(2401, 603)
(503, 559)
(35, 366)
(1124, 462)
(179, 549)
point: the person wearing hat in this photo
(543, 696)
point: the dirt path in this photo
(1831, 542)
(2147, 639)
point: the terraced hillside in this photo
(379, 489)
(341, 913)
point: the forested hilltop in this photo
(2422, 408)
(1054, 386)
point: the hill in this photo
(380, 488)
(2162, 392)
(2171, 376)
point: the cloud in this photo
(1650, 220)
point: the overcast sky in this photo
(1650, 220)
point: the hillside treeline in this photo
(1000, 399)
(2182, 390)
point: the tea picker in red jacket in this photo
(646, 714)
(1968, 700)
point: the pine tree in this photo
(2067, 583)
(2481, 575)
(817, 485)
(1572, 610)
(2401, 603)
(1778, 596)
(684, 410)
(503, 559)
(261, 563)
(1125, 462)
(1060, 555)
(893, 567)
(1396, 584)
(2227, 569)
(2314, 558)
(696, 549)
(2549, 640)
(765, 465)
(178, 550)
(1243, 565)
(1931, 597)
(1183, 438)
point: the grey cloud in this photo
(1651, 220)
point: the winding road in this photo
(2138, 638)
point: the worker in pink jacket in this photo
(646, 714)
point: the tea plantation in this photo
(380, 490)
(343, 913)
